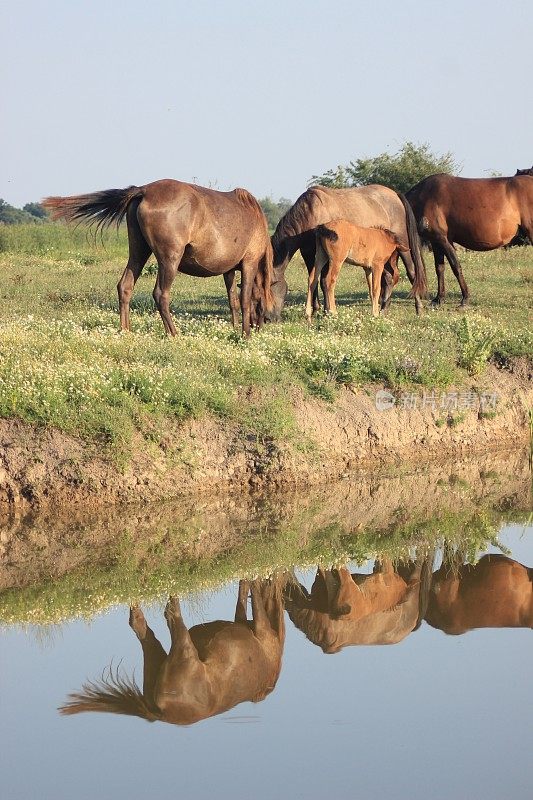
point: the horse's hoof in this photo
(137, 622)
(437, 302)
(172, 608)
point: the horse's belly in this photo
(487, 234)
(209, 262)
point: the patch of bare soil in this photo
(43, 468)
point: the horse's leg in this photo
(377, 272)
(368, 276)
(451, 255)
(181, 643)
(167, 269)
(336, 261)
(389, 279)
(438, 256)
(249, 269)
(321, 259)
(139, 251)
(442, 247)
(153, 652)
(241, 614)
(261, 623)
(308, 252)
(229, 280)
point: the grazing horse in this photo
(368, 206)
(189, 229)
(477, 213)
(209, 669)
(371, 248)
(344, 609)
(497, 592)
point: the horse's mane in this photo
(247, 199)
(114, 693)
(394, 236)
(296, 219)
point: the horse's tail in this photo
(114, 694)
(99, 208)
(326, 233)
(420, 286)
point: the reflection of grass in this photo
(147, 570)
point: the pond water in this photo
(432, 714)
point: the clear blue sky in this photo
(104, 93)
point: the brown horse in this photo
(344, 609)
(371, 248)
(497, 592)
(189, 229)
(209, 668)
(477, 213)
(368, 206)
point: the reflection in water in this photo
(209, 669)
(344, 609)
(497, 592)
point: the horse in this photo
(368, 206)
(209, 669)
(343, 609)
(497, 592)
(524, 171)
(340, 241)
(190, 229)
(477, 213)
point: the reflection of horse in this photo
(477, 213)
(209, 668)
(189, 229)
(497, 592)
(368, 206)
(374, 249)
(343, 609)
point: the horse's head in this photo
(279, 286)
(524, 172)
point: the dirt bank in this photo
(42, 468)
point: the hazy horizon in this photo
(105, 95)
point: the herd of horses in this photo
(203, 232)
(211, 668)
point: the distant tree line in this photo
(274, 210)
(31, 212)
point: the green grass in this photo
(62, 362)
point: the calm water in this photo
(433, 715)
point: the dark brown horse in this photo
(209, 668)
(368, 206)
(343, 609)
(189, 229)
(497, 592)
(524, 171)
(477, 213)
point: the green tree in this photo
(274, 210)
(400, 171)
(9, 215)
(36, 210)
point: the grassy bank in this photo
(63, 364)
